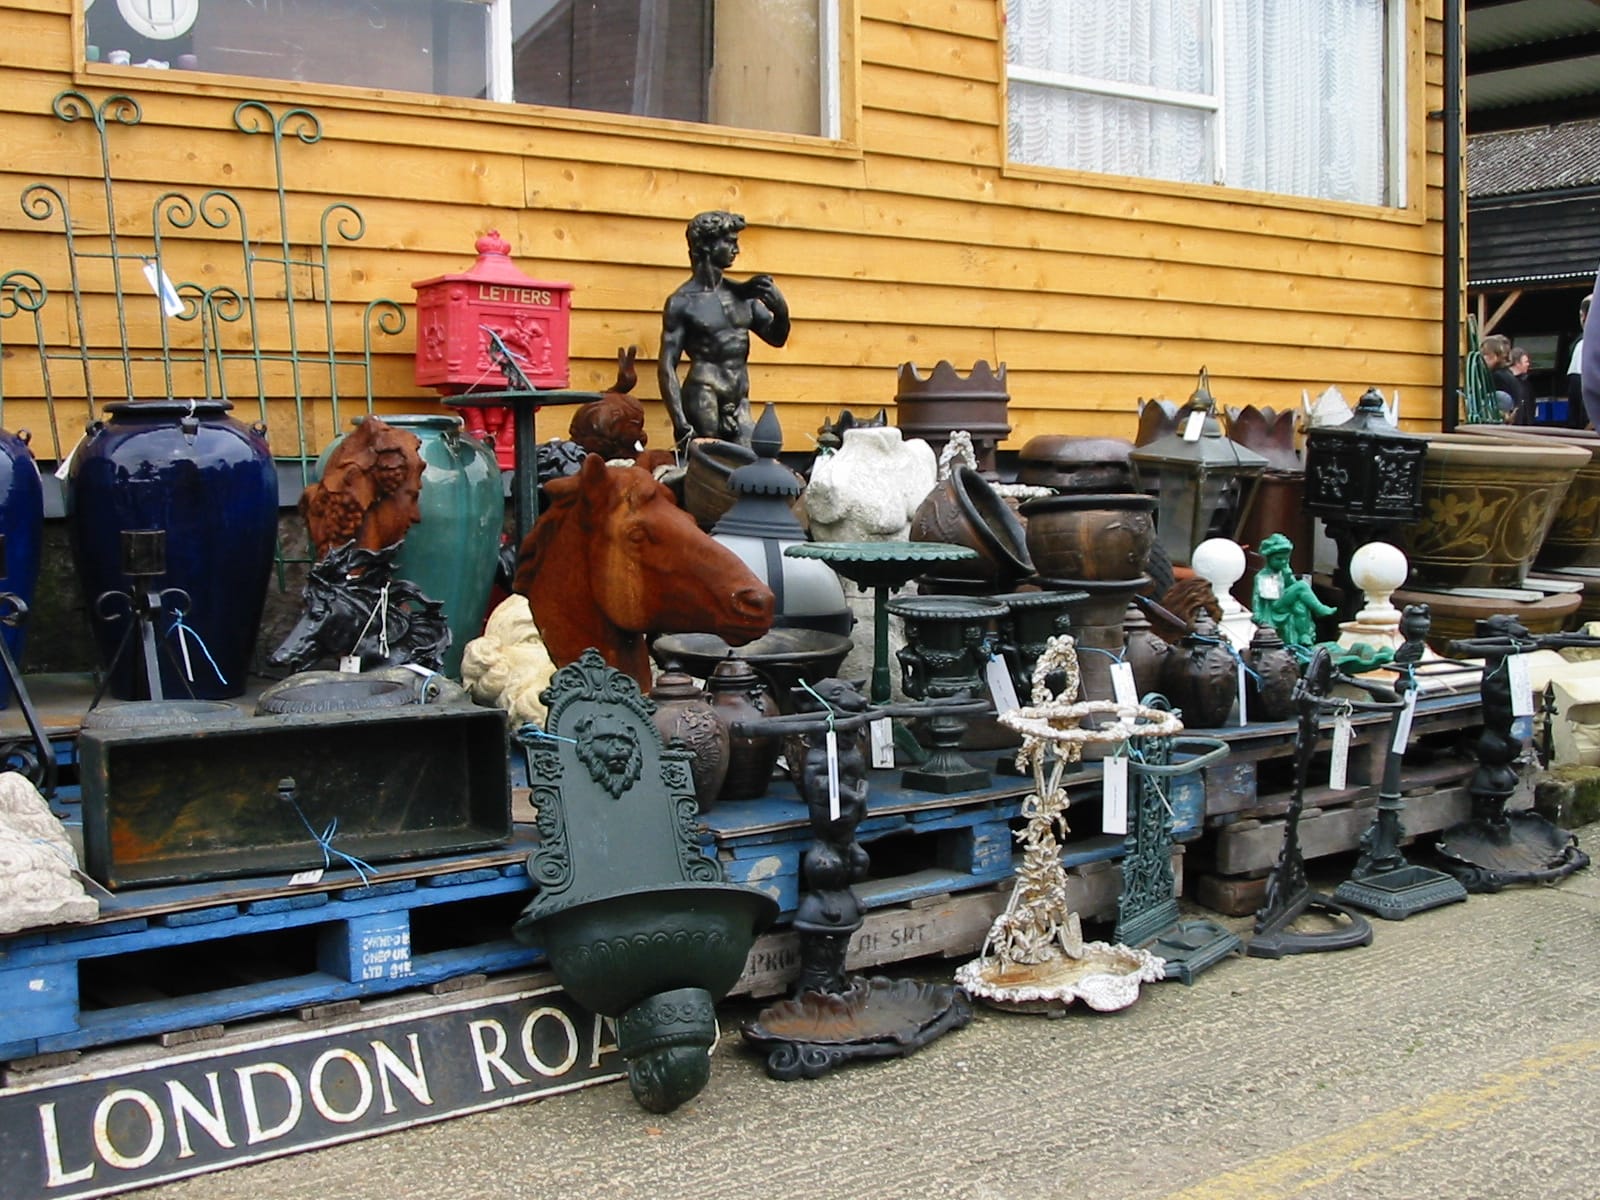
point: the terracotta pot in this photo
(1278, 507)
(1487, 504)
(1269, 691)
(1105, 536)
(965, 510)
(1202, 678)
(737, 694)
(931, 407)
(683, 711)
(705, 492)
(1574, 537)
(1146, 651)
(1078, 464)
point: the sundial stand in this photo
(1147, 910)
(1289, 893)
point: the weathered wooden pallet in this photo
(922, 844)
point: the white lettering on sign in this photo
(155, 1133)
(186, 1106)
(254, 1130)
(122, 1134)
(319, 1091)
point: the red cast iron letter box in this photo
(532, 317)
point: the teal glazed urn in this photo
(450, 554)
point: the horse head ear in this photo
(593, 472)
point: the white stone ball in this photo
(1379, 568)
(1220, 562)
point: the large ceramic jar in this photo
(1487, 504)
(22, 524)
(1106, 536)
(207, 480)
(451, 553)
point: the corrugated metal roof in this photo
(1496, 26)
(1551, 158)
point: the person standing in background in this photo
(1577, 416)
(1590, 362)
(1521, 364)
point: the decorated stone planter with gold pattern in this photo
(1574, 537)
(1487, 505)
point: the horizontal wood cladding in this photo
(911, 242)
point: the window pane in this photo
(1306, 97)
(1051, 127)
(750, 63)
(1154, 43)
(435, 46)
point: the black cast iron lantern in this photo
(1204, 482)
(1363, 478)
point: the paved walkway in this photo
(1458, 1056)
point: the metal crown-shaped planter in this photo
(636, 922)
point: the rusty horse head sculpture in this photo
(614, 559)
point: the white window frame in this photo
(502, 87)
(1213, 102)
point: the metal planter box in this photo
(204, 801)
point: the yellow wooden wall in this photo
(907, 240)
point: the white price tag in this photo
(1269, 587)
(162, 287)
(1114, 795)
(1194, 426)
(1244, 719)
(350, 664)
(1521, 686)
(1123, 689)
(832, 742)
(1339, 767)
(1402, 730)
(880, 735)
(1002, 690)
(300, 877)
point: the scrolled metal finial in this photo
(256, 116)
(386, 317)
(220, 209)
(21, 291)
(1060, 654)
(73, 105)
(350, 225)
(41, 201)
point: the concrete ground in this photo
(1458, 1056)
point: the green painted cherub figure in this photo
(1281, 599)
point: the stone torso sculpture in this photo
(614, 558)
(710, 318)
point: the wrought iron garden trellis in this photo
(226, 353)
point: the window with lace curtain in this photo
(1299, 97)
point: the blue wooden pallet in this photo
(166, 959)
(922, 843)
(251, 949)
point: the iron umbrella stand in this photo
(1383, 882)
(834, 1018)
(1289, 893)
(1147, 910)
(1494, 848)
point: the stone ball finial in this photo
(1220, 562)
(1378, 569)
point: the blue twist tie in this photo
(180, 627)
(363, 870)
(531, 732)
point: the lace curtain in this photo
(1303, 92)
